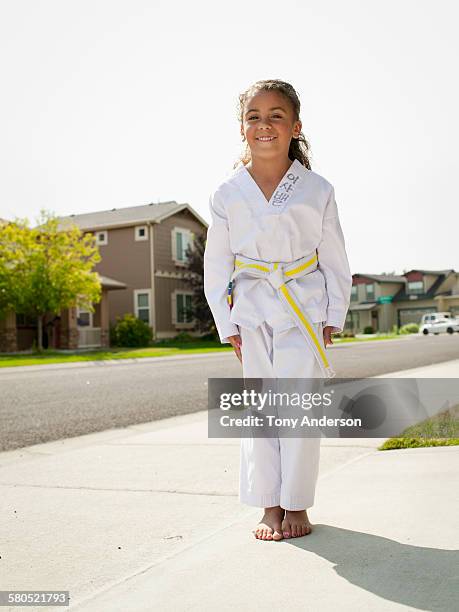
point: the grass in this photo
(380, 337)
(441, 429)
(163, 348)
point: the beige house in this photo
(143, 248)
(383, 300)
(142, 271)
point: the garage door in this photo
(412, 315)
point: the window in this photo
(141, 232)
(370, 291)
(182, 308)
(26, 320)
(181, 239)
(84, 318)
(354, 295)
(142, 304)
(102, 238)
(416, 286)
(352, 322)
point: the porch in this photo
(74, 328)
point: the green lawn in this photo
(439, 430)
(161, 349)
(381, 337)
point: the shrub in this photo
(131, 331)
(409, 328)
(183, 337)
(368, 330)
(211, 336)
(112, 335)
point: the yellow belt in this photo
(279, 274)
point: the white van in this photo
(437, 323)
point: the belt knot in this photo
(276, 277)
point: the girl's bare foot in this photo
(270, 526)
(296, 524)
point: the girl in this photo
(278, 283)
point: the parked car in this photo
(437, 323)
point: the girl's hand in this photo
(236, 343)
(328, 331)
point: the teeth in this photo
(265, 138)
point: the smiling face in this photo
(268, 124)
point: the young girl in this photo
(278, 283)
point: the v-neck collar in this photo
(283, 191)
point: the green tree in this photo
(16, 246)
(45, 269)
(200, 308)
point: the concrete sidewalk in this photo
(148, 517)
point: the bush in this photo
(211, 336)
(183, 337)
(131, 331)
(368, 330)
(409, 328)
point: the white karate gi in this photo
(300, 218)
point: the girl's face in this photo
(268, 123)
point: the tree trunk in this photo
(40, 333)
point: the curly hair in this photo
(299, 147)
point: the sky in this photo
(108, 104)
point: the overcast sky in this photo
(111, 104)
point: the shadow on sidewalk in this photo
(423, 578)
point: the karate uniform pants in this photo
(279, 471)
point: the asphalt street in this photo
(46, 403)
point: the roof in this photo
(382, 278)
(429, 294)
(364, 306)
(434, 272)
(130, 215)
(110, 283)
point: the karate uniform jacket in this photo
(301, 217)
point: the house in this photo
(143, 247)
(384, 300)
(68, 330)
(18, 331)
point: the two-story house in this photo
(426, 291)
(384, 300)
(144, 248)
(370, 296)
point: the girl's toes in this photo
(277, 535)
(294, 531)
(286, 530)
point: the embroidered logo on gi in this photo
(285, 190)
